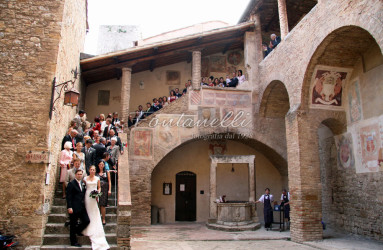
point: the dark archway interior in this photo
(275, 101)
(335, 126)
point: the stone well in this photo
(232, 215)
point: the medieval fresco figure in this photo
(344, 150)
(354, 102)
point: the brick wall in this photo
(350, 201)
(289, 62)
(39, 40)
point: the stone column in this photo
(213, 192)
(126, 81)
(251, 182)
(283, 22)
(196, 69)
(304, 177)
(253, 55)
(252, 190)
(258, 39)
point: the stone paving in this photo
(190, 236)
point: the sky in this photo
(157, 16)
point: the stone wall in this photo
(351, 201)
(302, 41)
(321, 38)
(37, 44)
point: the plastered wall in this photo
(145, 86)
(194, 157)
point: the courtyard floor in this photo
(190, 236)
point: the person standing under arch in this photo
(267, 199)
(285, 198)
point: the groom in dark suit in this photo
(75, 198)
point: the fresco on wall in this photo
(228, 112)
(141, 142)
(234, 57)
(208, 98)
(167, 132)
(327, 87)
(195, 97)
(217, 64)
(205, 67)
(220, 98)
(173, 77)
(369, 148)
(354, 101)
(345, 152)
(217, 147)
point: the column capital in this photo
(197, 50)
(129, 69)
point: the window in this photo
(103, 97)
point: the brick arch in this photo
(275, 100)
(289, 63)
(273, 156)
(340, 48)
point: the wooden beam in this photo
(227, 46)
(275, 15)
(118, 73)
(132, 62)
(151, 67)
(189, 58)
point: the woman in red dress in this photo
(97, 125)
(172, 96)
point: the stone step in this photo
(58, 194)
(62, 209)
(59, 228)
(63, 239)
(62, 202)
(63, 247)
(62, 218)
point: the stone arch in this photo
(275, 100)
(342, 47)
(275, 158)
(164, 170)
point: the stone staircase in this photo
(57, 235)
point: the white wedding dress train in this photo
(94, 230)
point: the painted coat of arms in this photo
(327, 87)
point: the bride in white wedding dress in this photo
(95, 231)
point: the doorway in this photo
(186, 196)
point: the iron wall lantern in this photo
(71, 96)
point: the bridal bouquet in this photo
(95, 194)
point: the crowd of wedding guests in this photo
(86, 145)
(236, 79)
(157, 104)
(162, 101)
(275, 40)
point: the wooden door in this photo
(185, 196)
